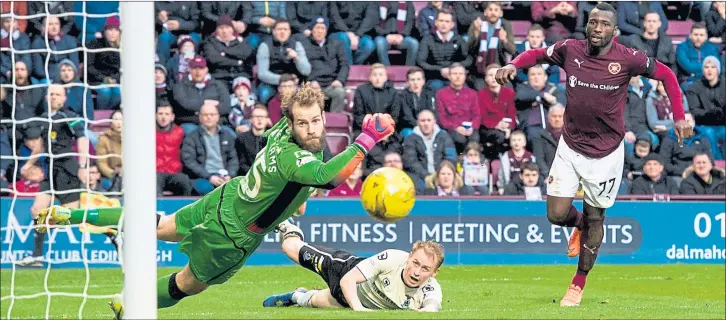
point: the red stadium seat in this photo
(494, 170)
(338, 127)
(101, 115)
(679, 30)
(418, 5)
(337, 143)
(349, 94)
(520, 28)
(720, 164)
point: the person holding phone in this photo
(497, 114)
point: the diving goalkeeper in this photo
(221, 230)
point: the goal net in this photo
(52, 121)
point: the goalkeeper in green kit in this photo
(221, 230)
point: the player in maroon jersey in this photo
(590, 151)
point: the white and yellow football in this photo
(388, 194)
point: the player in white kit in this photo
(392, 279)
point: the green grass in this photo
(640, 291)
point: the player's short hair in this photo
(492, 66)
(413, 70)
(530, 166)
(604, 6)
(305, 97)
(445, 11)
(285, 77)
(432, 248)
(698, 25)
(519, 133)
(536, 27)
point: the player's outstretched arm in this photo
(349, 284)
(430, 305)
(673, 90)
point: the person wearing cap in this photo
(277, 55)
(303, 15)
(329, 65)
(161, 82)
(242, 102)
(76, 95)
(707, 102)
(678, 154)
(57, 41)
(654, 180)
(175, 18)
(105, 67)
(394, 29)
(703, 178)
(197, 89)
(352, 25)
(228, 54)
(178, 65)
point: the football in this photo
(388, 194)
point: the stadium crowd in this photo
(221, 68)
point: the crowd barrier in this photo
(473, 231)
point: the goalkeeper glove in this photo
(376, 127)
(55, 215)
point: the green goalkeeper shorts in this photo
(215, 241)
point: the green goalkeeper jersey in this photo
(284, 175)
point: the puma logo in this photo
(588, 249)
(579, 63)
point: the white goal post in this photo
(138, 97)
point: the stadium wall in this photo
(473, 232)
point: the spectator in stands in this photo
(534, 97)
(78, 97)
(633, 166)
(438, 51)
(26, 102)
(631, 16)
(653, 180)
(277, 55)
(427, 17)
(375, 96)
(35, 25)
(716, 23)
(329, 65)
(229, 56)
(175, 18)
(653, 40)
(411, 100)
(19, 8)
(352, 185)
(635, 115)
(707, 103)
(691, 53)
(529, 184)
(242, 103)
(239, 11)
(446, 182)
(377, 156)
(498, 113)
(677, 158)
(558, 19)
(161, 82)
(466, 12)
(702, 178)
(249, 143)
(208, 152)
(196, 90)
(20, 41)
(426, 148)
(512, 161)
(92, 17)
(491, 40)
(57, 41)
(393, 159)
(178, 65)
(659, 112)
(394, 30)
(110, 144)
(90, 178)
(544, 147)
(288, 83)
(169, 138)
(458, 109)
(264, 15)
(303, 15)
(29, 181)
(474, 170)
(583, 14)
(535, 40)
(352, 23)
(105, 67)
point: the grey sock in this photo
(304, 299)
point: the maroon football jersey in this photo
(597, 88)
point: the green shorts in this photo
(215, 241)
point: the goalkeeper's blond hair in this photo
(431, 248)
(305, 96)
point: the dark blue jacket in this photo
(630, 16)
(22, 42)
(678, 158)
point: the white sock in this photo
(304, 299)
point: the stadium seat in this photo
(99, 115)
(418, 5)
(337, 143)
(679, 30)
(494, 170)
(338, 122)
(520, 28)
(349, 94)
(720, 164)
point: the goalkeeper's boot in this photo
(573, 248)
(30, 261)
(573, 296)
(281, 300)
(289, 229)
(55, 215)
(117, 307)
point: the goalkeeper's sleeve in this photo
(305, 168)
(101, 217)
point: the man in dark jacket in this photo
(412, 100)
(632, 16)
(677, 158)
(533, 99)
(375, 96)
(263, 15)
(105, 67)
(353, 22)
(635, 115)
(716, 22)
(707, 103)
(702, 178)
(229, 55)
(27, 102)
(329, 66)
(196, 90)
(529, 177)
(57, 41)
(427, 17)
(241, 12)
(557, 17)
(654, 180)
(376, 158)
(78, 97)
(426, 148)
(277, 55)
(208, 152)
(438, 51)
(20, 41)
(249, 143)
(466, 12)
(40, 9)
(395, 30)
(303, 16)
(545, 146)
(174, 18)
(653, 40)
